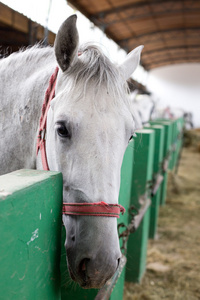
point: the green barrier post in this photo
(142, 174)
(172, 156)
(179, 140)
(124, 200)
(166, 154)
(157, 177)
(30, 230)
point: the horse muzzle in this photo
(94, 273)
(92, 247)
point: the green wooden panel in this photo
(174, 138)
(166, 153)
(69, 289)
(181, 129)
(177, 126)
(168, 134)
(158, 158)
(176, 143)
(30, 230)
(126, 181)
(142, 173)
(159, 146)
(143, 163)
(179, 140)
(124, 199)
(154, 213)
(137, 251)
(175, 129)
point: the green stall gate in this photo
(172, 148)
(157, 177)
(178, 142)
(140, 199)
(30, 231)
(31, 225)
(166, 155)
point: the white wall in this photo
(178, 86)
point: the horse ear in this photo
(66, 43)
(131, 62)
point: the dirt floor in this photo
(173, 263)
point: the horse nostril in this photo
(118, 261)
(83, 268)
(83, 265)
(73, 238)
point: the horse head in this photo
(89, 125)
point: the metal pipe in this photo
(105, 292)
(138, 218)
(159, 180)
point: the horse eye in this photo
(63, 131)
(130, 138)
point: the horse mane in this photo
(93, 68)
(96, 69)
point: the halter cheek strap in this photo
(93, 209)
(80, 209)
(41, 141)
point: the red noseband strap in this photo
(93, 209)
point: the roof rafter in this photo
(166, 63)
(175, 59)
(100, 18)
(103, 13)
(174, 31)
(160, 50)
(143, 16)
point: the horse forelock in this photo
(94, 69)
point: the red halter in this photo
(41, 141)
(93, 209)
(80, 209)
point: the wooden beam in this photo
(101, 19)
(176, 60)
(13, 19)
(9, 36)
(174, 31)
(166, 50)
(121, 8)
(17, 22)
(76, 5)
(162, 64)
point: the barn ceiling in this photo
(169, 30)
(17, 31)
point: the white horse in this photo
(144, 105)
(89, 125)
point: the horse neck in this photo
(21, 102)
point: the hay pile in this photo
(173, 263)
(192, 139)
